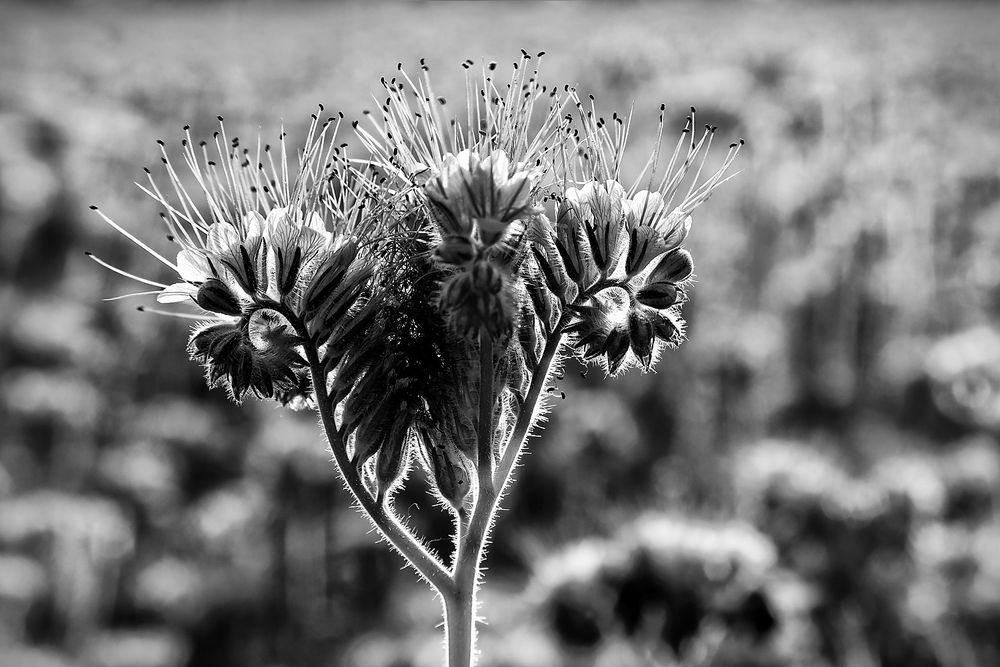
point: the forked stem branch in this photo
(457, 588)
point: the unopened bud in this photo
(486, 277)
(452, 470)
(657, 295)
(392, 454)
(616, 348)
(328, 277)
(474, 300)
(642, 337)
(455, 249)
(675, 267)
(215, 296)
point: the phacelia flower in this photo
(621, 248)
(272, 240)
(481, 193)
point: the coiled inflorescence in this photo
(512, 226)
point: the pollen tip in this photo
(220, 118)
(88, 253)
(186, 128)
(93, 207)
(141, 309)
(147, 170)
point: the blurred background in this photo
(813, 479)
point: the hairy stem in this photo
(460, 603)
(486, 400)
(392, 530)
(527, 414)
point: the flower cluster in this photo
(614, 256)
(262, 254)
(375, 285)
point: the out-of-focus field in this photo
(813, 479)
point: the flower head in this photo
(484, 194)
(621, 247)
(271, 239)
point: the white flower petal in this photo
(253, 225)
(193, 266)
(277, 216)
(315, 222)
(500, 165)
(221, 237)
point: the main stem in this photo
(458, 587)
(460, 600)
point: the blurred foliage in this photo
(812, 480)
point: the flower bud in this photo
(328, 278)
(474, 301)
(642, 336)
(215, 296)
(451, 470)
(657, 295)
(615, 348)
(455, 249)
(675, 267)
(392, 455)
(486, 276)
